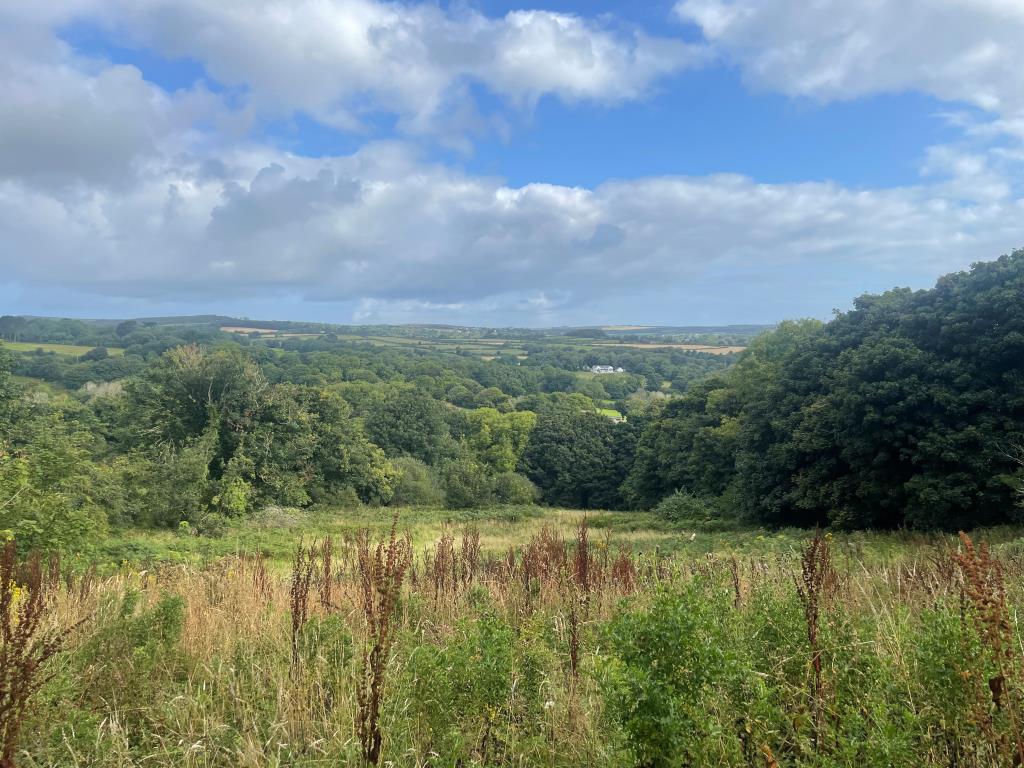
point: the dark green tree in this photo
(579, 459)
(408, 422)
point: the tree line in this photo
(907, 410)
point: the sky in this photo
(670, 162)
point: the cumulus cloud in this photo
(341, 60)
(957, 50)
(73, 120)
(111, 186)
(385, 226)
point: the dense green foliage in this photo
(904, 411)
(907, 410)
(579, 458)
(189, 435)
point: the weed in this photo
(26, 644)
(381, 572)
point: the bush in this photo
(417, 484)
(175, 485)
(466, 484)
(47, 493)
(513, 488)
(210, 524)
(235, 497)
(96, 353)
(345, 497)
(697, 511)
(664, 659)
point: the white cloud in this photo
(960, 51)
(110, 186)
(382, 226)
(956, 50)
(341, 60)
(72, 120)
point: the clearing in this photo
(275, 532)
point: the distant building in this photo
(605, 369)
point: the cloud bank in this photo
(114, 187)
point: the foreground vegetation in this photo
(373, 648)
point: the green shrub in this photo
(466, 484)
(47, 492)
(417, 484)
(211, 524)
(662, 664)
(235, 497)
(690, 509)
(513, 488)
(345, 497)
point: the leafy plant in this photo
(663, 661)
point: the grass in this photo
(61, 349)
(509, 347)
(487, 349)
(634, 644)
(275, 533)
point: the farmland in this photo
(705, 348)
(75, 350)
(490, 348)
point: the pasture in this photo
(76, 350)
(486, 348)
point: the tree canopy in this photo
(903, 411)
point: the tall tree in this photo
(579, 459)
(405, 421)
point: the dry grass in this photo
(331, 663)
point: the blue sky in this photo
(700, 161)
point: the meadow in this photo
(75, 350)
(489, 348)
(519, 637)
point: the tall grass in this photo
(567, 650)
(26, 642)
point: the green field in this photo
(514, 347)
(274, 533)
(60, 349)
(487, 349)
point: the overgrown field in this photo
(273, 534)
(525, 641)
